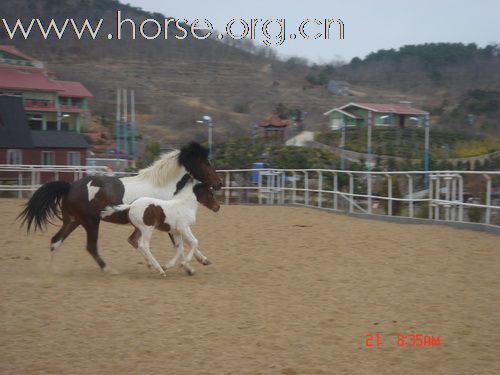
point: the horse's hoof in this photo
(206, 262)
(190, 272)
(163, 274)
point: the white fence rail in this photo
(448, 196)
(28, 178)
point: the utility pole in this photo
(118, 122)
(370, 125)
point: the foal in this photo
(174, 216)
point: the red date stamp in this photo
(418, 340)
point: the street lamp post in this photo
(208, 121)
(369, 140)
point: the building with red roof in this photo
(274, 128)
(21, 145)
(383, 114)
(50, 104)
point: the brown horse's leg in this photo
(65, 231)
(92, 229)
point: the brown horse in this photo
(81, 202)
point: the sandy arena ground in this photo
(290, 291)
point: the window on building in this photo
(48, 158)
(14, 157)
(35, 121)
(64, 101)
(73, 158)
(51, 125)
(10, 93)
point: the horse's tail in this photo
(44, 205)
(110, 210)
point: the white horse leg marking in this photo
(144, 248)
(179, 244)
(154, 262)
(141, 245)
(179, 250)
(143, 253)
(193, 242)
(92, 190)
(201, 258)
(54, 246)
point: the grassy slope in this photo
(177, 82)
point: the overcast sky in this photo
(369, 25)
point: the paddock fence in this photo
(459, 197)
(453, 197)
(22, 180)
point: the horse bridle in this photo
(182, 182)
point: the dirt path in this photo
(290, 291)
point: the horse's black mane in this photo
(182, 182)
(192, 150)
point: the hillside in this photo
(176, 81)
(179, 81)
(456, 80)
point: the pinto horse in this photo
(81, 202)
(174, 216)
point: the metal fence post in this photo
(454, 198)
(294, 187)
(259, 186)
(33, 180)
(20, 183)
(410, 194)
(389, 194)
(228, 187)
(283, 186)
(320, 188)
(335, 189)
(488, 198)
(461, 198)
(271, 186)
(306, 188)
(369, 192)
(351, 192)
(438, 197)
(430, 195)
(448, 204)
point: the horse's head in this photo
(206, 197)
(194, 158)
